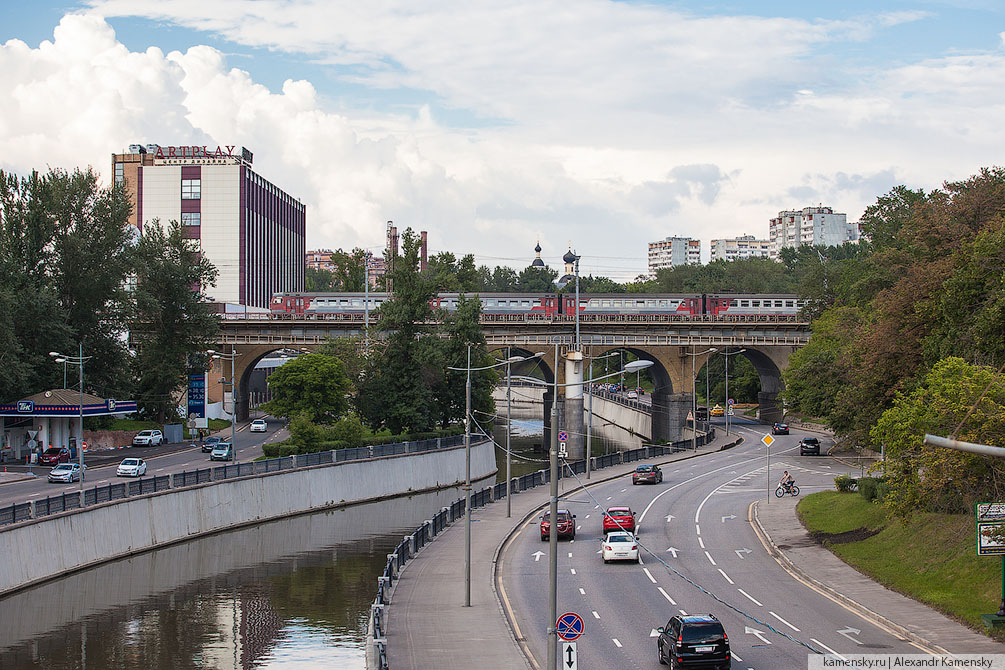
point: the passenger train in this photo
(550, 306)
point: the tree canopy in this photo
(314, 385)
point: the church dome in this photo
(569, 257)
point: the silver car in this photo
(132, 467)
(65, 472)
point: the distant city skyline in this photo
(604, 124)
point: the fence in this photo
(431, 528)
(18, 512)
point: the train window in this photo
(594, 303)
(733, 303)
(650, 303)
(356, 302)
(618, 303)
(525, 303)
(744, 303)
(778, 303)
(788, 303)
(755, 303)
(490, 303)
(606, 303)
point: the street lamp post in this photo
(694, 396)
(467, 459)
(79, 361)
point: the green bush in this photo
(305, 433)
(845, 484)
(349, 431)
(872, 488)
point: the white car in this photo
(132, 467)
(258, 426)
(65, 472)
(148, 438)
(620, 546)
(633, 395)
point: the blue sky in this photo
(494, 125)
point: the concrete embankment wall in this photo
(52, 546)
(630, 419)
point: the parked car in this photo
(258, 426)
(54, 455)
(809, 445)
(223, 451)
(131, 467)
(209, 443)
(633, 395)
(566, 526)
(65, 472)
(619, 546)
(148, 438)
(619, 518)
(693, 641)
(647, 474)
(780, 429)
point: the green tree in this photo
(504, 280)
(315, 385)
(452, 275)
(461, 329)
(536, 279)
(171, 318)
(319, 280)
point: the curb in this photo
(800, 575)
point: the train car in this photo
(752, 304)
(608, 304)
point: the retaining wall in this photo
(630, 419)
(49, 547)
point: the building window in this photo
(191, 219)
(191, 189)
(119, 176)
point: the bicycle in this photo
(783, 489)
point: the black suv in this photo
(809, 445)
(693, 642)
(209, 444)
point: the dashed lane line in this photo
(666, 595)
(783, 621)
(750, 597)
(726, 576)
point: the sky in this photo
(492, 125)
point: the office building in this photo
(252, 231)
(817, 226)
(739, 248)
(673, 251)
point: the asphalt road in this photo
(160, 461)
(699, 555)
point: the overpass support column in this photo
(574, 405)
(770, 408)
(669, 415)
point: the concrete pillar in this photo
(669, 415)
(574, 405)
(770, 407)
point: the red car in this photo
(566, 525)
(54, 455)
(619, 518)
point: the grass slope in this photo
(931, 557)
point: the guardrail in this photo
(49, 505)
(425, 533)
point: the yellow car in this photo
(716, 411)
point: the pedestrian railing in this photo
(425, 533)
(107, 492)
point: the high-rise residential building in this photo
(673, 251)
(320, 259)
(818, 226)
(249, 228)
(745, 246)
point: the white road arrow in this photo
(654, 633)
(673, 550)
(731, 516)
(670, 517)
(537, 555)
(848, 632)
(741, 552)
(759, 634)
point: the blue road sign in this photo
(569, 626)
(563, 436)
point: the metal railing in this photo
(25, 511)
(428, 530)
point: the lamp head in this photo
(55, 353)
(60, 360)
(635, 366)
(210, 351)
(713, 350)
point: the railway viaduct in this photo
(670, 341)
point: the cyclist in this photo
(786, 481)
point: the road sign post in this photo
(768, 441)
(990, 520)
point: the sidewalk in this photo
(790, 543)
(428, 628)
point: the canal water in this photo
(288, 594)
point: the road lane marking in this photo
(572, 570)
(710, 559)
(623, 490)
(683, 613)
(783, 621)
(813, 639)
(735, 657)
(595, 615)
(726, 576)
(666, 595)
(750, 597)
(570, 554)
(701, 542)
(579, 528)
(649, 575)
(609, 497)
(587, 516)
(697, 529)
(616, 643)
(582, 592)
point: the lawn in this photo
(930, 557)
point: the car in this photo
(65, 472)
(258, 426)
(647, 474)
(209, 443)
(809, 445)
(693, 641)
(148, 438)
(619, 518)
(633, 395)
(566, 525)
(131, 467)
(717, 411)
(779, 428)
(54, 456)
(222, 452)
(619, 546)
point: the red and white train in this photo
(551, 305)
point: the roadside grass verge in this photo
(930, 557)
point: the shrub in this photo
(305, 433)
(870, 488)
(348, 431)
(845, 484)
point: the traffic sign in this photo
(730, 402)
(563, 436)
(990, 527)
(690, 416)
(767, 440)
(569, 626)
(570, 658)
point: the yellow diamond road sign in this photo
(768, 440)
